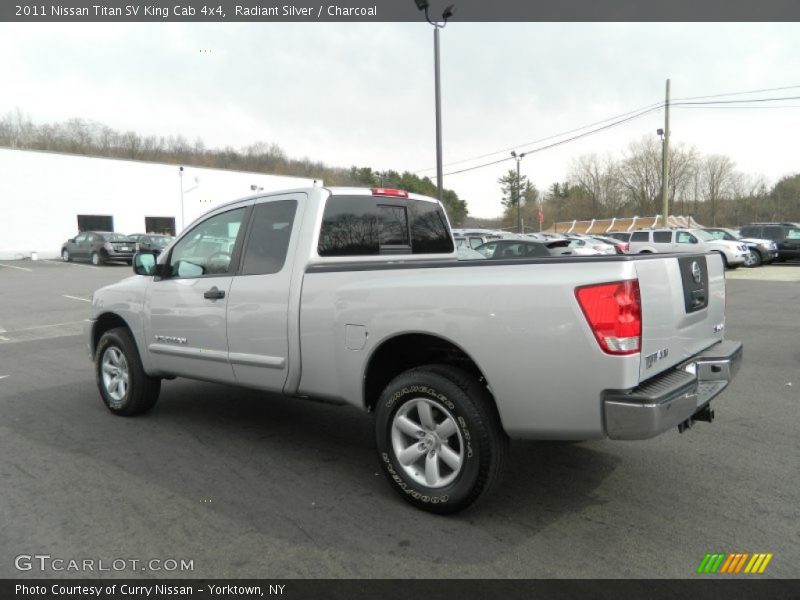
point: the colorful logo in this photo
(734, 563)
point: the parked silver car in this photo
(646, 241)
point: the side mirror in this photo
(144, 263)
(694, 240)
(71, 241)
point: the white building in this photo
(47, 197)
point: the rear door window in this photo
(662, 237)
(751, 232)
(640, 236)
(536, 250)
(268, 238)
(774, 233)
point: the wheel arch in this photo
(402, 352)
(106, 322)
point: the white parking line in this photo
(13, 267)
(75, 298)
(3, 376)
(51, 325)
(69, 264)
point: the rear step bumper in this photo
(675, 398)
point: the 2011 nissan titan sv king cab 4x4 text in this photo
(356, 296)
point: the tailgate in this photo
(683, 308)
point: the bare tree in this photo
(716, 179)
(640, 175)
(599, 178)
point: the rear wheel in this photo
(439, 438)
(724, 260)
(124, 386)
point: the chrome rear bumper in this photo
(672, 398)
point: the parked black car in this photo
(98, 247)
(150, 241)
(761, 251)
(786, 235)
(511, 248)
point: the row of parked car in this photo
(99, 247)
(751, 246)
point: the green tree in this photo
(786, 198)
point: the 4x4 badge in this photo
(697, 274)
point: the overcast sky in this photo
(362, 94)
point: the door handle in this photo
(214, 294)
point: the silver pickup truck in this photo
(356, 296)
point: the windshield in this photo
(161, 240)
(703, 235)
(487, 249)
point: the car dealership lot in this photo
(252, 485)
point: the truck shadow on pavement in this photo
(301, 472)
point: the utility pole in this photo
(438, 94)
(665, 161)
(518, 158)
(446, 14)
(519, 199)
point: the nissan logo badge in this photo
(697, 274)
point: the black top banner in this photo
(309, 11)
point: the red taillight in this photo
(389, 192)
(614, 312)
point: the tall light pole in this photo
(194, 187)
(519, 158)
(665, 161)
(180, 178)
(446, 14)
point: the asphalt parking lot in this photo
(250, 485)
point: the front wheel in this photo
(65, 255)
(439, 438)
(124, 386)
(96, 260)
(755, 259)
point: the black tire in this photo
(459, 400)
(96, 259)
(725, 264)
(140, 392)
(65, 256)
(755, 259)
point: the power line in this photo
(739, 107)
(560, 142)
(787, 87)
(736, 101)
(684, 102)
(544, 139)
